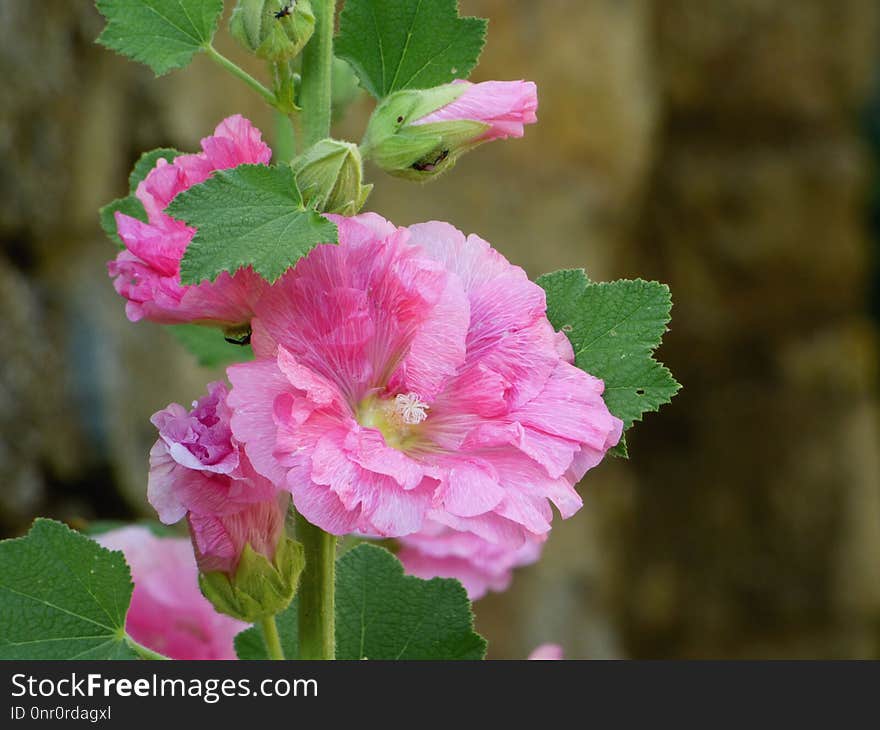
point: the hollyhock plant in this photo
(408, 373)
(438, 551)
(407, 382)
(147, 272)
(168, 614)
(419, 134)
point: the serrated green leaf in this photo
(614, 329)
(163, 34)
(62, 596)
(383, 614)
(250, 215)
(208, 345)
(408, 44)
(130, 205)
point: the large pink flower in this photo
(198, 471)
(440, 552)
(412, 372)
(168, 613)
(147, 272)
(507, 106)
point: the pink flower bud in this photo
(506, 106)
(219, 540)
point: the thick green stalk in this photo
(317, 71)
(273, 641)
(317, 633)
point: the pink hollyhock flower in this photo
(506, 106)
(198, 471)
(547, 652)
(168, 613)
(481, 566)
(407, 373)
(147, 272)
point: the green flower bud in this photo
(259, 588)
(275, 30)
(418, 151)
(330, 177)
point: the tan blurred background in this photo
(718, 146)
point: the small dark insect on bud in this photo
(427, 164)
(285, 11)
(242, 339)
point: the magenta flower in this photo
(481, 566)
(407, 373)
(506, 106)
(198, 471)
(168, 613)
(551, 652)
(147, 272)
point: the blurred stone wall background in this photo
(712, 145)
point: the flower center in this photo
(397, 419)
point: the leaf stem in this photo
(238, 71)
(273, 641)
(317, 69)
(142, 651)
(317, 631)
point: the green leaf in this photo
(250, 215)
(130, 205)
(208, 345)
(62, 596)
(383, 614)
(408, 44)
(614, 329)
(163, 34)
(251, 644)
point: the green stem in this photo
(273, 641)
(142, 651)
(236, 70)
(317, 69)
(317, 633)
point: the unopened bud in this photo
(419, 134)
(330, 177)
(258, 588)
(276, 30)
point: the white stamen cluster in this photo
(411, 408)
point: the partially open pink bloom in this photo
(407, 373)
(551, 652)
(198, 471)
(196, 465)
(168, 613)
(147, 272)
(481, 566)
(218, 540)
(507, 106)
